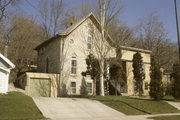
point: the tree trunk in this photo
(101, 84)
(116, 87)
(102, 59)
(94, 87)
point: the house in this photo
(65, 54)
(5, 67)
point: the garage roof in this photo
(6, 60)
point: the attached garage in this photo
(5, 66)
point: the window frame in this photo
(73, 58)
(146, 86)
(89, 43)
(90, 89)
(73, 87)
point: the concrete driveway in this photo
(76, 109)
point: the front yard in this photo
(175, 117)
(17, 106)
(136, 106)
(171, 98)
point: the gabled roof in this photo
(74, 26)
(7, 61)
(71, 29)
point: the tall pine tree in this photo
(138, 72)
(176, 83)
(156, 85)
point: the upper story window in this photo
(42, 50)
(73, 65)
(144, 68)
(89, 42)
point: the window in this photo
(74, 65)
(42, 50)
(47, 65)
(89, 87)
(144, 71)
(89, 42)
(146, 85)
(135, 86)
(144, 68)
(73, 87)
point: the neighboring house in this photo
(127, 57)
(5, 67)
(66, 52)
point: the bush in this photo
(176, 83)
(83, 89)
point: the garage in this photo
(39, 84)
(5, 67)
(40, 87)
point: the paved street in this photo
(84, 109)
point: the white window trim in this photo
(73, 58)
(91, 42)
(91, 87)
(73, 87)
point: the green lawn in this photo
(17, 106)
(136, 106)
(175, 117)
(171, 98)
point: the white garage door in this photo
(3, 82)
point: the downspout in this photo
(61, 50)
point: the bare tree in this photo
(113, 9)
(153, 36)
(3, 6)
(21, 37)
(51, 14)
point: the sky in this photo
(133, 11)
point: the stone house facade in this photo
(66, 52)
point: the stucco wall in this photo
(54, 78)
(76, 46)
(128, 56)
(50, 51)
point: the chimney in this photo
(73, 20)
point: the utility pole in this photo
(177, 25)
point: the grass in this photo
(17, 106)
(174, 117)
(136, 106)
(171, 98)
